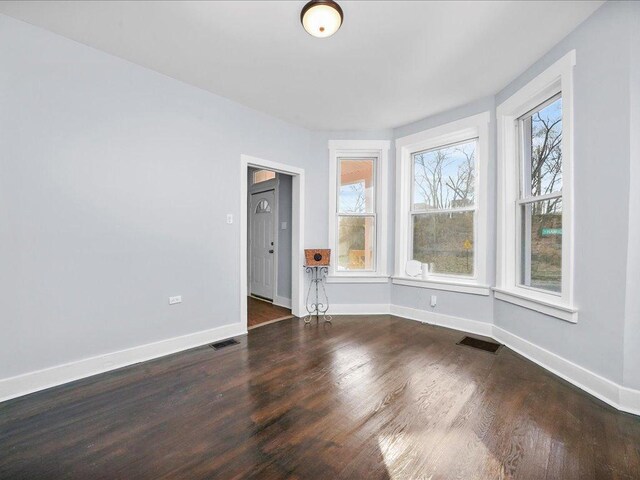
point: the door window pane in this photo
(263, 207)
(445, 177)
(263, 175)
(357, 186)
(541, 262)
(356, 237)
(444, 240)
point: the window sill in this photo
(563, 312)
(451, 286)
(357, 279)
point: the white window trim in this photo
(476, 126)
(557, 78)
(340, 278)
(450, 286)
(378, 149)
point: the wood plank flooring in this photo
(260, 312)
(363, 398)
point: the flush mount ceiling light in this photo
(321, 18)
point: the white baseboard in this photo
(457, 323)
(359, 309)
(619, 397)
(50, 377)
(629, 400)
(433, 318)
(282, 301)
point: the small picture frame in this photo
(317, 257)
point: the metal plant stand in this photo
(317, 308)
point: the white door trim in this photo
(297, 231)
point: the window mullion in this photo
(360, 214)
(539, 198)
(445, 210)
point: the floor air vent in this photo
(491, 347)
(224, 343)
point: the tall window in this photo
(540, 200)
(357, 235)
(535, 194)
(443, 208)
(356, 214)
(441, 211)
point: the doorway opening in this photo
(272, 198)
(269, 246)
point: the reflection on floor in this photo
(261, 312)
(367, 397)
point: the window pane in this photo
(356, 236)
(444, 240)
(263, 176)
(263, 207)
(543, 135)
(356, 190)
(541, 264)
(444, 178)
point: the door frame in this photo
(297, 231)
(276, 219)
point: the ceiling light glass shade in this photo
(321, 18)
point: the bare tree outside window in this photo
(444, 208)
(546, 151)
(352, 198)
(541, 197)
(445, 178)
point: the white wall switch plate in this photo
(229, 218)
(283, 226)
(174, 300)
(434, 300)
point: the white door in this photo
(262, 248)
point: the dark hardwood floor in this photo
(260, 312)
(362, 398)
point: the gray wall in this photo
(284, 236)
(601, 156)
(115, 183)
(632, 327)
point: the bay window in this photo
(535, 200)
(441, 206)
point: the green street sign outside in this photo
(547, 232)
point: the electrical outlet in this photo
(229, 218)
(283, 226)
(174, 300)
(434, 301)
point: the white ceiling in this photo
(392, 62)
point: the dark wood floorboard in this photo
(260, 312)
(363, 398)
